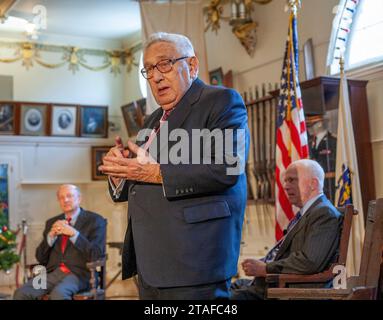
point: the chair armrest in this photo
(97, 263)
(285, 278)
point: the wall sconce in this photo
(244, 28)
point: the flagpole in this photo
(291, 135)
(347, 173)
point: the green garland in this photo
(8, 256)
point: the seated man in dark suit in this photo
(311, 239)
(70, 240)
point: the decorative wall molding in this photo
(74, 57)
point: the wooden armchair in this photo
(362, 287)
(97, 281)
(282, 280)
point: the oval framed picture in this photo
(33, 120)
(64, 120)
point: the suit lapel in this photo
(152, 120)
(300, 224)
(182, 110)
(81, 219)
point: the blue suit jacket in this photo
(188, 230)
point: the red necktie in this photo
(64, 241)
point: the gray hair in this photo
(313, 169)
(77, 189)
(181, 42)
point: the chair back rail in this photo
(372, 245)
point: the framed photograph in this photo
(7, 118)
(98, 153)
(64, 120)
(134, 114)
(94, 121)
(216, 77)
(33, 119)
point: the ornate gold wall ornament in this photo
(244, 28)
(29, 52)
(129, 60)
(246, 34)
(115, 61)
(71, 56)
(214, 15)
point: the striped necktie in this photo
(270, 256)
(157, 128)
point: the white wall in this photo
(224, 49)
(43, 163)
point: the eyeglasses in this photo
(162, 66)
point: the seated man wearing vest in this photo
(311, 239)
(70, 240)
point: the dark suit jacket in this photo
(89, 246)
(188, 230)
(313, 242)
(310, 247)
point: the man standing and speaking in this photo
(185, 217)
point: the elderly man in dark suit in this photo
(70, 240)
(186, 205)
(311, 239)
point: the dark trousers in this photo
(248, 289)
(60, 286)
(212, 291)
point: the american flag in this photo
(291, 137)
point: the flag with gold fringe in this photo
(348, 186)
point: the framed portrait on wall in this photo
(134, 114)
(64, 120)
(33, 119)
(94, 121)
(98, 153)
(216, 77)
(7, 118)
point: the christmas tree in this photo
(8, 256)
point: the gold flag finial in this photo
(294, 5)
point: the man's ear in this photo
(193, 67)
(314, 184)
